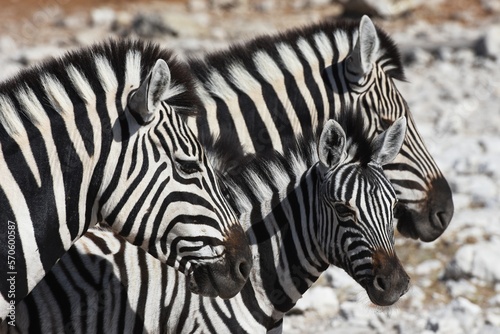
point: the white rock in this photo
(416, 55)
(36, 54)
(428, 266)
(319, 2)
(461, 288)
(7, 45)
(265, 5)
(89, 36)
(481, 188)
(489, 329)
(460, 316)
(338, 278)
(356, 313)
(103, 17)
(493, 317)
(415, 297)
(321, 299)
(75, 22)
(443, 325)
(197, 5)
(488, 45)
(384, 8)
(153, 25)
(495, 300)
(347, 288)
(485, 219)
(477, 260)
(491, 5)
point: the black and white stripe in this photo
(269, 91)
(100, 136)
(299, 220)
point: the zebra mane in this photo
(358, 138)
(255, 178)
(17, 93)
(243, 53)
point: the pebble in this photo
(488, 45)
(103, 17)
(383, 8)
(427, 267)
(321, 299)
(461, 288)
(476, 260)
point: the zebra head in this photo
(425, 206)
(361, 200)
(167, 198)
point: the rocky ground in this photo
(450, 52)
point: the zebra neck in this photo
(288, 95)
(287, 261)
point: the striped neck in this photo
(279, 227)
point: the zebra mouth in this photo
(388, 281)
(201, 282)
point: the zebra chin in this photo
(225, 277)
(427, 221)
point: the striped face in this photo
(425, 206)
(364, 202)
(359, 197)
(163, 195)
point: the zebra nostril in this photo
(380, 284)
(442, 218)
(243, 269)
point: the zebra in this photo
(100, 136)
(268, 91)
(298, 219)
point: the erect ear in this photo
(145, 100)
(387, 144)
(331, 144)
(365, 51)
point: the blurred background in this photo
(451, 52)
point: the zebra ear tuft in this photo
(331, 144)
(386, 145)
(365, 51)
(145, 100)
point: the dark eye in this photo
(188, 166)
(343, 210)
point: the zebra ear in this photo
(387, 144)
(362, 57)
(331, 144)
(145, 100)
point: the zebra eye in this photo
(343, 210)
(188, 166)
